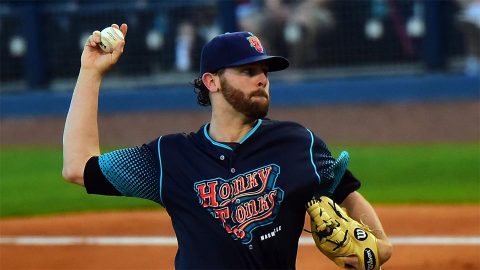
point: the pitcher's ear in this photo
(211, 81)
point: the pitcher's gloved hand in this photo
(339, 236)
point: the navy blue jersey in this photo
(233, 206)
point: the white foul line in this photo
(90, 240)
(172, 241)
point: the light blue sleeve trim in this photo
(160, 171)
(205, 132)
(311, 157)
(339, 168)
(103, 160)
(259, 122)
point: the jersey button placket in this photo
(231, 163)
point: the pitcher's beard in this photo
(247, 105)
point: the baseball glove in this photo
(337, 235)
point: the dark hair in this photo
(202, 92)
(203, 97)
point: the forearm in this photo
(80, 137)
(360, 209)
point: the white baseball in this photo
(109, 37)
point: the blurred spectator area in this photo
(336, 33)
(41, 41)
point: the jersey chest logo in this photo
(244, 202)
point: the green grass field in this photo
(418, 173)
(31, 182)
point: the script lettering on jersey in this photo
(244, 202)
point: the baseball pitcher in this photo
(238, 188)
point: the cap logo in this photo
(255, 43)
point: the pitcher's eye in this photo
(248, 71)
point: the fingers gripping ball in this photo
(337, 235)
(109, 37)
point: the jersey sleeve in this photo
(94, 180)
(348, 184)
(328, 170)
(133, 172)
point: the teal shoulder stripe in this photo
(161, 171)
(259, 122)
(339, 168)
(311, 156)
(205, 132)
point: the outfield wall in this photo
(351, 90)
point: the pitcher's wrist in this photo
(91, 73)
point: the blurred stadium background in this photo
(41, 41)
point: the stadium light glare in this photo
(17, 46)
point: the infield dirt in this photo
(406, 220)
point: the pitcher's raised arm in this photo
(80, 136)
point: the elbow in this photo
(73, 169)
(72, 175)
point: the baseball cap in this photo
(236, 49)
